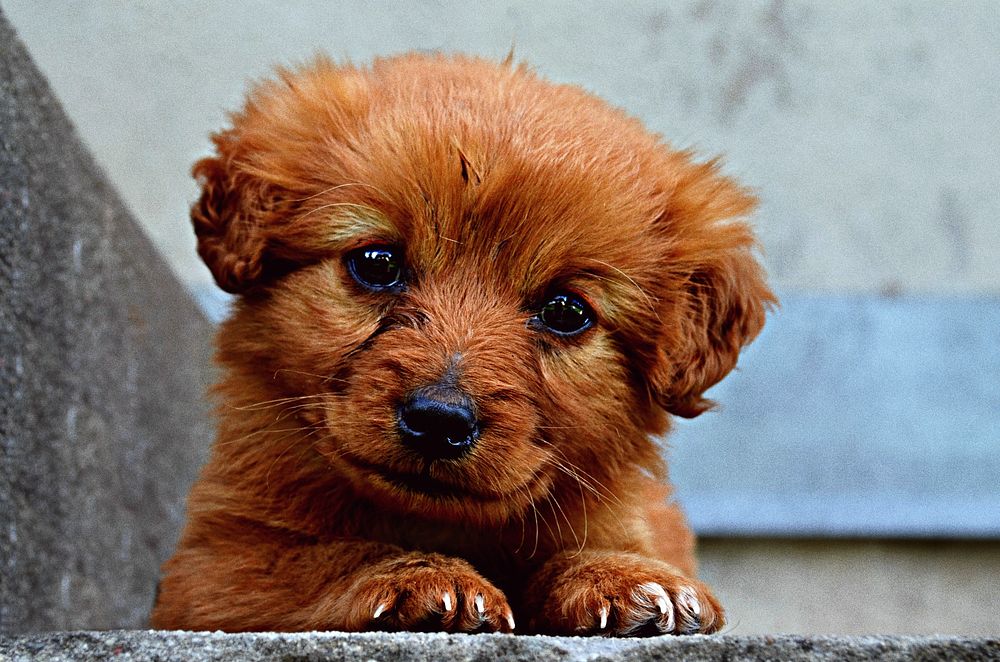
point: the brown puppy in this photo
(467, 299)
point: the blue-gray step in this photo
(854, 416)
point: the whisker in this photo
(575, 476)
(585, 484)
(534, 509)
(730, 627)
(336, 187)
(649, 301)
(329, 205)
(267, 404)
(555, 516)
(288, 411)
(577, 471)
(325, 378)
(572, 529)
(295, 442)
(264, 431)
(524, 522)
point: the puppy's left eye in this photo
(376, 267)
(566, 315)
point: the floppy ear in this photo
(278, 151)
(720, 296)
(231, 217)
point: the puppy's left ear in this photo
(233, 215)
(719, 297)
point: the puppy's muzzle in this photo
(439, 422)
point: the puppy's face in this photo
(486, 287)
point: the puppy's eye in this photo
(376, 267)
(566, 315)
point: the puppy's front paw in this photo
(426, 593)
(623, 595)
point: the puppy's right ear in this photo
(721, 296)
(232, 216)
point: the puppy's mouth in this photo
(424, 484)
(419, 483)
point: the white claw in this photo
(658, 593)
(510, 620)
(379, 610)
(687, 594)
(604, 617)
(447, 601)
(480, 604)
(654, 591)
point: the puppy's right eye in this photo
(376, 267)
(566, 314)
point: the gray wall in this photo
(104, 361)
(870, 129)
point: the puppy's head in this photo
(490, 287)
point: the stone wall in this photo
(103, 363)
(395, 647)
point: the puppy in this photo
(467, 299)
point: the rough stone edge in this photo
(128, 645)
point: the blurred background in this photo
(850, 483)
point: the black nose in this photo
(439, 423)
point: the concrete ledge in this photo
(202, 647)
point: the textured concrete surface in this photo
(855, 587)
(869, 128)
(103, 360)
(199, 647)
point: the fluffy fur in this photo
(499, 187)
